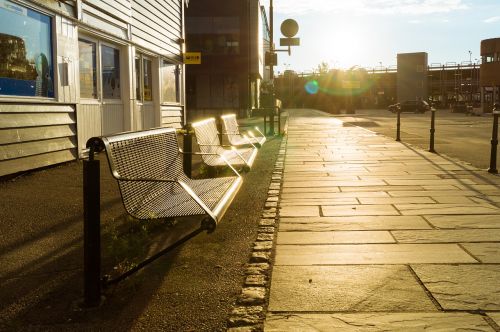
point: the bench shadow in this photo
(42, 276)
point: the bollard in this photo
(271, 122)
(398, 127)
(494, 140)
(91, 232)
(433, 130)
(187, 158)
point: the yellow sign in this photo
(192, 58)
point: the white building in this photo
(70, 70)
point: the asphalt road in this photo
(467, 138)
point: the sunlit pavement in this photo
(376, 235)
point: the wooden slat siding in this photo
(33, 136)
(98, 13)
(157, 24)
(119, 8)
(35, 119)
(18, 135)
(89, 123)
(28, 163)
(171, 116)
(34, 108)
(142, 21)
(100, 23)
(19, 150)
(65, 8)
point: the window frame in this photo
(179, 78)
(53, 57)
(139, 70)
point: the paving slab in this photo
(299, 211)
(333, 195)
(464, 221)
(353, 223)
(334, 237)
(358, 210)
(462, 287)
(485, 252)
(447, 236)
(371, 254)
(455, 209)
(433, 193)
(346, 288)
(318, 201)
(397, 200)
(379, 321)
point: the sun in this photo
(345, 48)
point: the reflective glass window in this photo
(88, 69)
(26, 65)
(110, 59)
(170, 82)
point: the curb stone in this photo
(249, 313)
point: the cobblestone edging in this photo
(251, 305)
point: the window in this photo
(143, 79)
(26, 65)
(110, 59)
(147, 80)
(214, 35)
(170, 74)
(88, 69)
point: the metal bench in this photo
(231, 130)
(148, 166)
(216, 155)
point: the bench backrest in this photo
(207, 135)
(150, 153)
(230, 125)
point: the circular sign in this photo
(289, 28)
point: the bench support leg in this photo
(92, 233)
(188, 149)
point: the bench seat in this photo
(231, 130)
(214, 154)
(153, 185)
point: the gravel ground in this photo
(193, 288)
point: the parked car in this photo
(415, 106)
(393, 108)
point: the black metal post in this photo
(279, 121)
(271, 121)
(433, 131)
(398, 127)
(494, 141)
(188, 150)
(91, 232)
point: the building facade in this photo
(490, 73)
(232, 39)
(70, 70)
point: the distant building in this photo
(490, 73)
(232, 37)
(70, 70)
(412, 77)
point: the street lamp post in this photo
(289, 28)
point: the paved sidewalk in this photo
(376, 235)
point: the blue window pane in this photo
(26, 65)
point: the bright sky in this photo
(369, 33)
